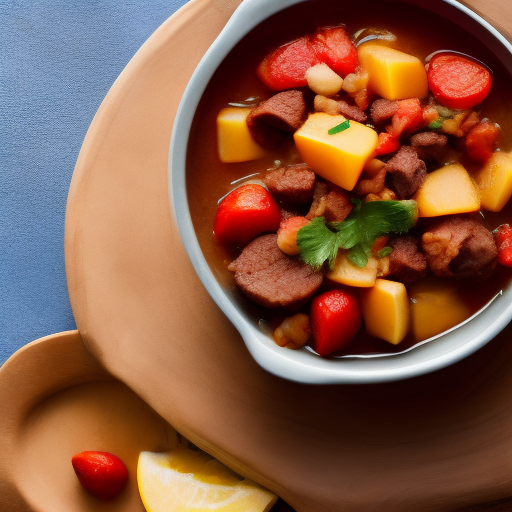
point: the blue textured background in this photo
(58, 60)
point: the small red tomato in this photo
(481, 141)
(102, 474)
(333, 47)
(244, 213)
(285, 67)
(387, 144)
(408, 118)
(503, 238)
(335, 320)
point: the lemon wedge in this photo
(186, 480)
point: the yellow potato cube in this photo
(339, 158)
(435, 307)
(495, 181)
(345, 272)
(393, 74)
(234, 141)
(447, 191)
(385, 310)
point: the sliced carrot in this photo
(481, 141)
(457, 81)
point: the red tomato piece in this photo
(408, 118)
(503, 238)
(335, 320)
(102, 474)
(387, 144)
(285, 67)
(244, 213)
(457, 81)
(481, 141)
(333, 47)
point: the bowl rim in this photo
(303, 366)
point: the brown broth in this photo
(419, 32)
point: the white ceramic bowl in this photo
(302, 365)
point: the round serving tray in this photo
(439, 442)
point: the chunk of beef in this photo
(272, 119)
(372, 185)
(271, 278)
(352, 112)
(334, 107)
(429, 145)
(460, 246)
(407, 172)
(292, 185)
(330, 202)
(383, 109)
(406, 263)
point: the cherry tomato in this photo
(481, 141)
(286, 66)
(335, 320)
(387, 144)
(503, 238)
(244, 213)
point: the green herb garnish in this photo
(319, 242)
(339, 128)
(385, 251)
(437, 124)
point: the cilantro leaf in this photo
(319, 243)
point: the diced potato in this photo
(394, 75)
(495, 181)
(447, 191)
(435, 307)
(373, 167)
(323, 80)
(345, 272)
(385, 310)
(339, 158)
(234, 141)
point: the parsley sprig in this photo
(319, 242)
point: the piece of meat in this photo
(407, 172)
(406, 263)
(372, 185)
(271, 278)
(460, 246)
(272, 119)
(429, 145)
(352, 112)
(292, 185)
(330, 202)
(383, 109)
(333, 107)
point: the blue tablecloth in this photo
(58, 59)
